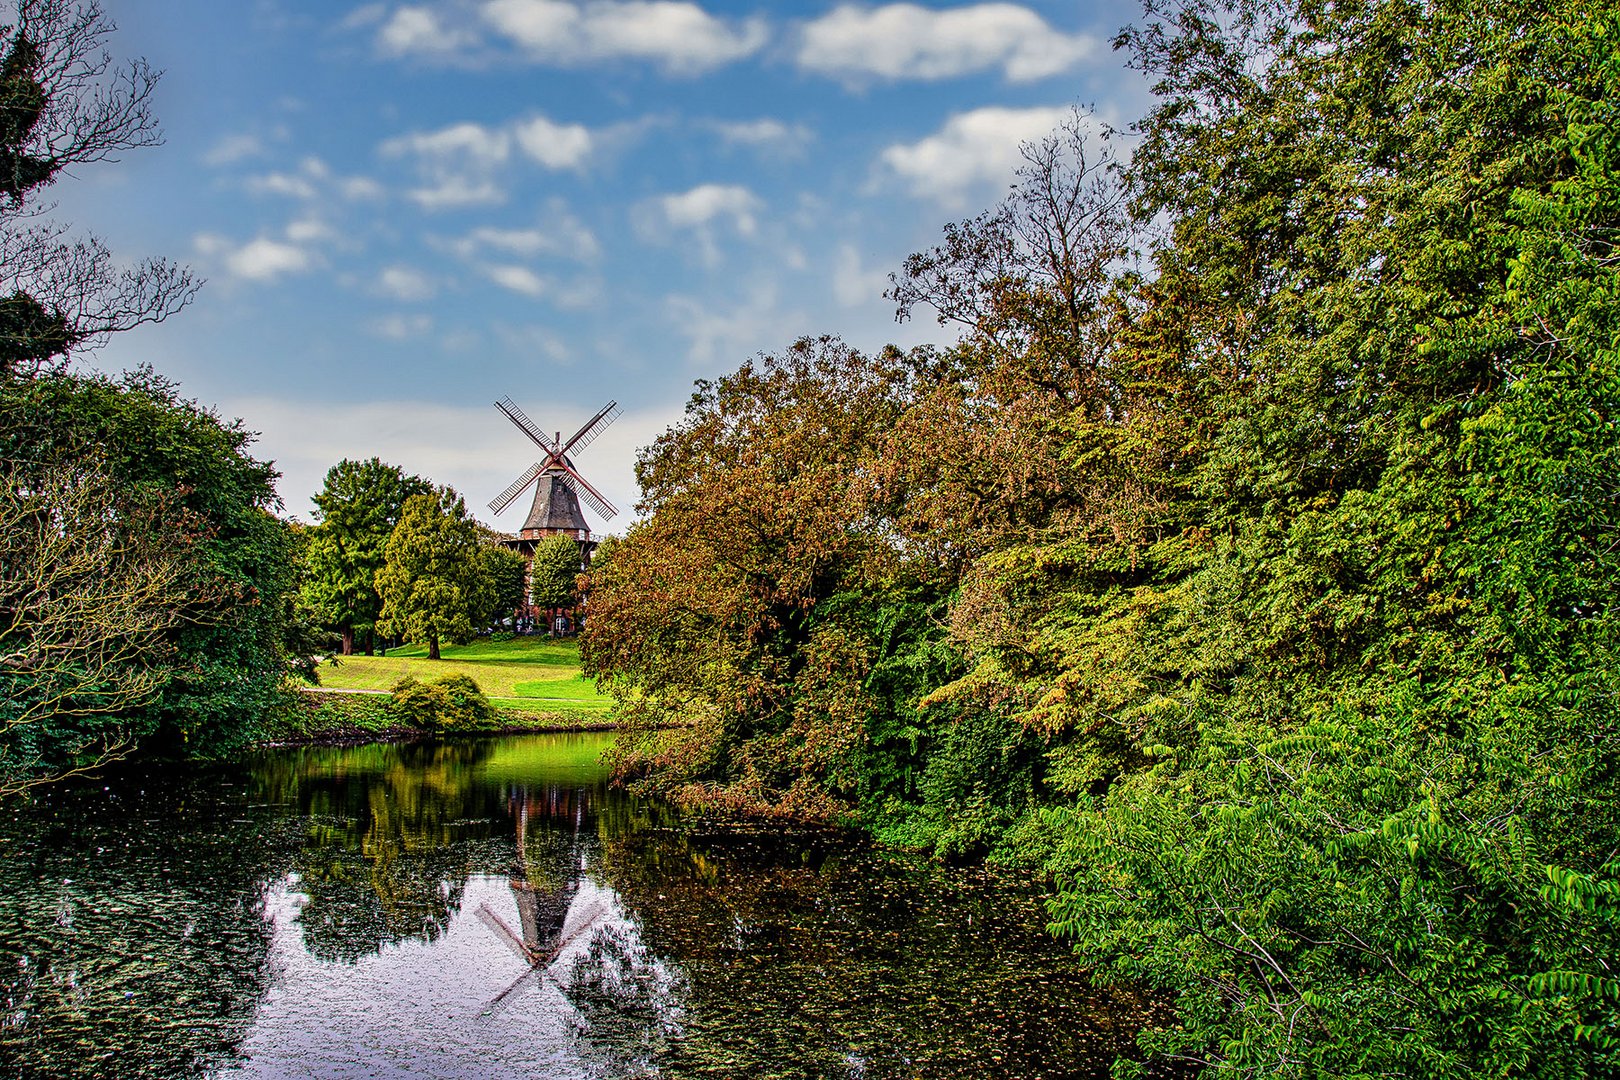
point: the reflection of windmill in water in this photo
(544, 888)
(558, 489)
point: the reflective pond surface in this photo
(494, 909)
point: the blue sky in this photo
(407, 211)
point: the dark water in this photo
(492, 909)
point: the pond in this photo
(492, 909)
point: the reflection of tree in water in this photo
(799, 949)
(394, 831)
(133, 942)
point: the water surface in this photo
(494, 909)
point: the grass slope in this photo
(526, 674)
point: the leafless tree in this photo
(65, 102)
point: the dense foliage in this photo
(554, 571)
(432, 584)
(359, 505)
(1249, 563)
(451, 703)
(145, 576)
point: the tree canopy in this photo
(1246, 566)
(359, 505)
(145, 574)
(430, 583)
(553, 572)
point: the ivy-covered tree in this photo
(63, 104)
(431, 582)
(358, 507)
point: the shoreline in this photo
(331, 717)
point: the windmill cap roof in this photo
(555, 506)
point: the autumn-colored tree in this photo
(714, 608)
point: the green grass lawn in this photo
(534, 673)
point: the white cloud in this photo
(766, 134)
(233, 148)
(364, 15)
(681, 37)
(456, 164)
(461, 165)
(709, 202)
(486, 146)
(905, 41)
(853, 284)
(974, 151)
(520, 279)
(565, 236)
(265, 259)
(308, 231)
(400, 327)
(421, 30)
(405, 283)
(361, 189)
(700, 212)
(556, 146)
(313, 180)
(292, 186)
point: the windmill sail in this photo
(527, 426)
(593, 498)
(597, 424)
(558, 486)
(504, 499)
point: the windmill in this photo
(558, 485)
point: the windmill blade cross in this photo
(593, 427)
(504, 499)
(578, 485)
(527, 426)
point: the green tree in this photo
(430, 582)
(502, 572)
(189, 539)
(358, 507)
(554, 572)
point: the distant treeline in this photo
(1249, 565)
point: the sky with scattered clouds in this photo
(408, 210)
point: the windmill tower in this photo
(558, 486)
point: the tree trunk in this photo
(371, 642)
(348, 641)
(433, 647)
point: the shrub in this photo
(451, 703)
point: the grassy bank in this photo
(524, 675)
(534, 684)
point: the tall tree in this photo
(503, 574)
(182, 496)
(554, 571)
(359, 505)
(430, 582)
(63, 103)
